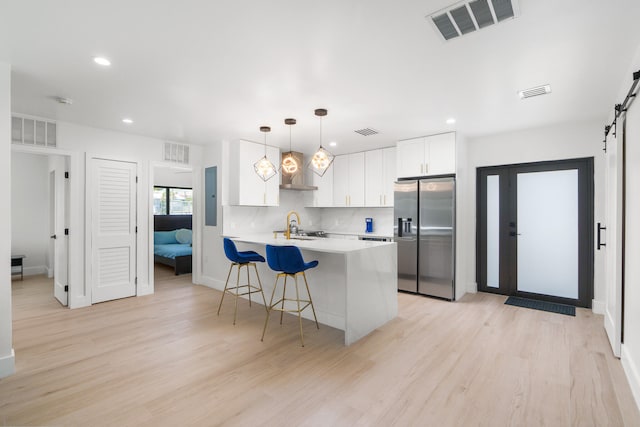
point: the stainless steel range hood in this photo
(295, 180)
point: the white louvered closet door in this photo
(113, 237)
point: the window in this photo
(172, 201)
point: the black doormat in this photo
(552, 307)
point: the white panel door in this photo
(60, 253)
(613, 240)
(113, 231)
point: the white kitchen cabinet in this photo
(340, 181)
(348, 180)
(246, 188)
(427, 156)
(356, 179)
(380, 174)
(323, 196)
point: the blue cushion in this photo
(184, 235)
(164, 237)
(233, 255)
(287, 259)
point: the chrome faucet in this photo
(287, 233)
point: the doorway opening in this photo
(172, 222)
(535, 231)
(40, 225)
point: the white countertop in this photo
(363, 234)
(328, 245)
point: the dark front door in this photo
(535, 230)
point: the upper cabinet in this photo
(349, 180)
(323, 196)
(246, 188)
(427, 156)
(380, 174)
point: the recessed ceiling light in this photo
(102, 61)
(63, 100)
(333, 144)
(451, 121)
(127, 121)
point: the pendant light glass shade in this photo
(263, 167)
(289, 163)
(321, 159)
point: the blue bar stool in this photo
(241, 259)
(288, 261)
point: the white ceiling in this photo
(201, 71)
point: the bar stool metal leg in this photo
(249, 287)
(273, 293)
(310, 300)
(284, 296)
(260, 284)
(225, 288)
(235, 311)
(299, 311)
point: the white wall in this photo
(557, 142)
(30, 210)
(214, 263)
(172, 177)
(7, 362)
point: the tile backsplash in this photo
(259, 219)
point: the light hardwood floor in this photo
(167, 359)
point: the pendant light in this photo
(289, 163)
(263, 167)
(321, 159)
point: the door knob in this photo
(53, 237)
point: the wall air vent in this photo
(468, 16)
(33, 131)
(534, 91)
(367, 132)
(176, 153)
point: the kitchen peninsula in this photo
(354, 287)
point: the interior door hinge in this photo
(66, 231)
(136, 228)
(66, 288)
(136, 179)
(136, 281)
(66, 174)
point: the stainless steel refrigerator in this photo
(424, 229)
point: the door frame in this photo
(73, 212)
(508, 207)
(197, 219)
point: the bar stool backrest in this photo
(287, 259)
(230, 250)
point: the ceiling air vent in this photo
(367, 132)
(468, 16)
(176, 153)
(27, 130)
(534, 91)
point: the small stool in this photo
(241, 259)
(288, 261)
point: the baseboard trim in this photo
(597, 306)
(210, 282)
(632, 372)
(144, 289)
(35, 270)
(8, 365)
